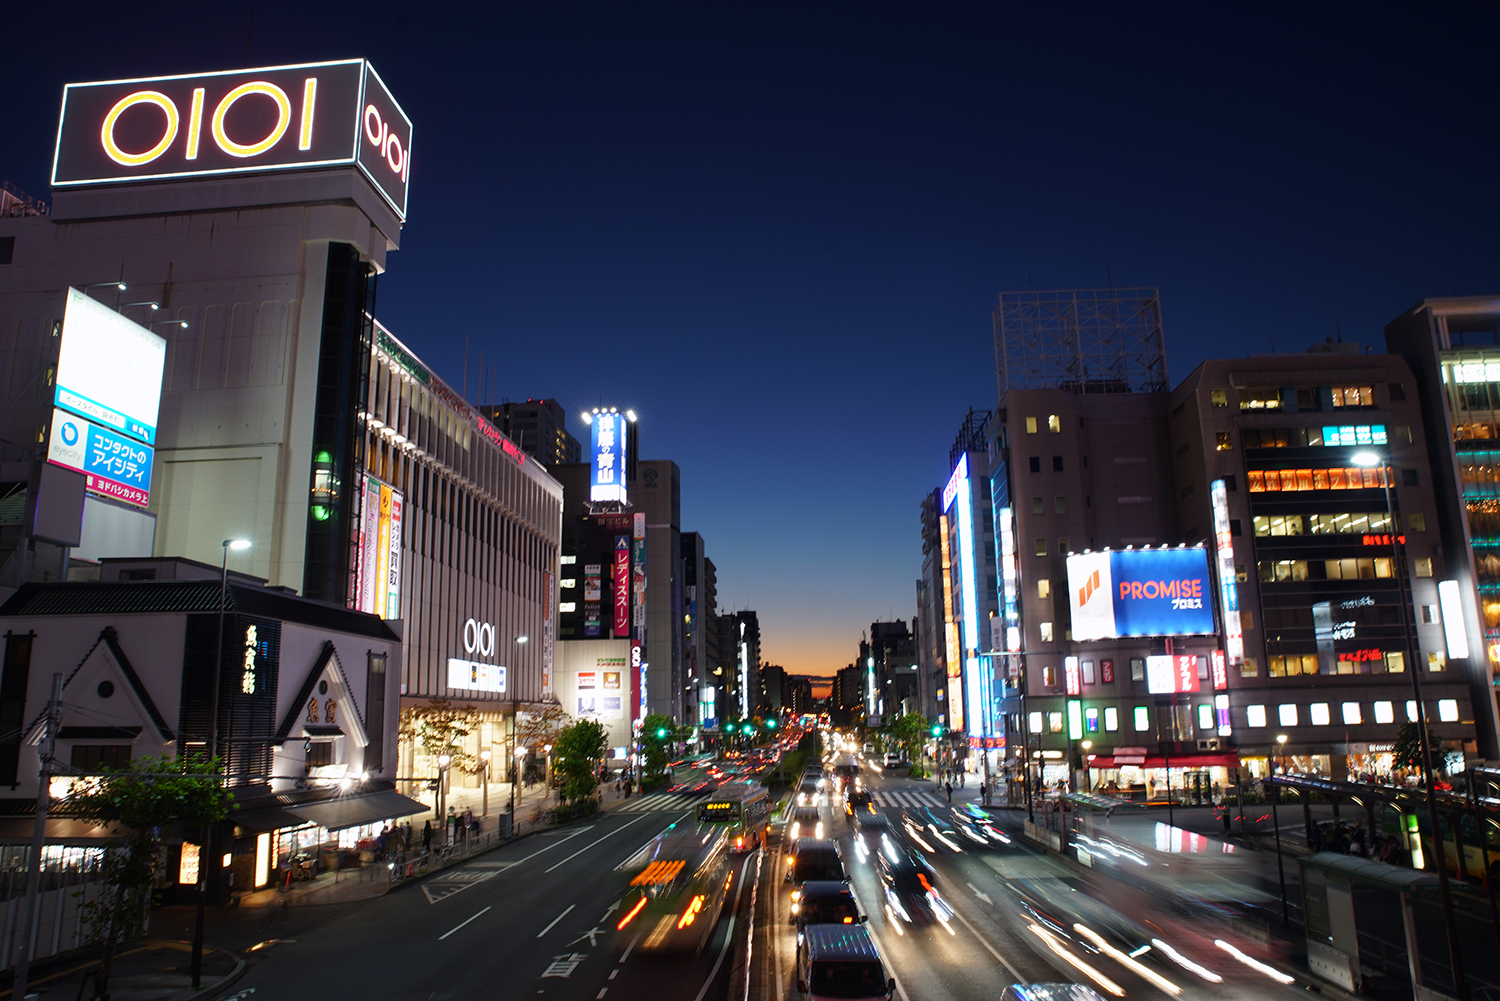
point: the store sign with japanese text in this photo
(1171, 674)
(113, 465)
(607, 465)
(377, 569)
(1144, 592)
(621, 586)
(235, 122)
(109, 368)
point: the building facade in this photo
(539, 427)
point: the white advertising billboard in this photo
(377, 571)
(109, 368)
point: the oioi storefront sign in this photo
(238, 121)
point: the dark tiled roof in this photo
(147, 596)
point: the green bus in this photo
(744, 809)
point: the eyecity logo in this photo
(274, 118)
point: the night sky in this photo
(778, 233)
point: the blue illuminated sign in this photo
(607, 470)
(1143, 592)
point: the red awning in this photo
(1222, 759)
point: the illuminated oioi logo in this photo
(172, 119)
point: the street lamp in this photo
(181, 323)
(196, 963)
(1369, 459)
(444, 760)
(484, 757)
(1281, 742)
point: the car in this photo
(808, 791)
(910, 886)
(856, 800)
(870, 826)
(805, 820)
(892, 759)
(1049, 992)
(825, 902)
(840, 963)
(814, 859)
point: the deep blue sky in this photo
(777, 232)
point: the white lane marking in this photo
(554, 844)
(455, 928)
(626, 954)
(602, 991)
(613, 974)
(555, 921)
(591, 844)
(728, 932)
(982, 896)
(991, 949)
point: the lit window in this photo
(1091, 720)
(1417, 522)
(1411, 711)
(1111, 719)
(1351, 713)
(1250, 668)
(1046, 630)
(1447, 710)
(1353, 396)
(1422, 567)
(1034, 722)
(567, 606)
(1142, 719)
(1395, 663)
(1044, 588)
(1223, 441)
(1255, 715)
(1385, 712)
(1031, 425)
(1054, 722)
(1054, 424)
(569, 582)
(1286, 714)
(569, 559)
(1205, 717)
(1318, 711)
(1041, 547)
(1437, 662)
(1218, 398)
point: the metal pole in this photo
(1167, 757)
(512, 767)
(1286, 921)
(1415, 670)
(196, 964)
(38, 836)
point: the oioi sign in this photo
(237, 121)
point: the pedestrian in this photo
(949, 787)
(427, 835)
(961, 772)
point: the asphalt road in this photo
(535, 918)
(992, 939)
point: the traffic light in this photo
(937, 730)
(661, 733)
(770, 724)
(749, 727)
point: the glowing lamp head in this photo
(237, 544)
(1367, 460)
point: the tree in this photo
(443, 728)
(536, 728)
(1406, 755)
(149, 794)
(908, 732)
(578, 751)
(656, 732)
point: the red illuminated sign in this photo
(1383, 540)
(1070, 672)
(1218, 671)
(239, 121)
(1107, 671)
(1359, 656)
(622, 586)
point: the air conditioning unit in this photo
(1211, 744)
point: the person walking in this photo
(984, 794)
(949, 787)
(427, 835)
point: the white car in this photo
(892, 759)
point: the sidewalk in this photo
(152, 970)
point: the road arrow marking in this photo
(612, 908)
(981, 896)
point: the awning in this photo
(351, 811)
(270, 819)
(1221, 760)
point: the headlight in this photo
(796, 827)
(819, 830)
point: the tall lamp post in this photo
(1286, 921)
(1369, 460)
(484, 757)
(444, 760)
(195, 965)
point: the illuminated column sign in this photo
(1010, 578)
(607, 472)
(958, 489)
(1234, 639)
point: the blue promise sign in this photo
(1140, 592)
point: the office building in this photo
(540, 427)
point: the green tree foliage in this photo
(653, 747)
(147, 796)
(1406, 755)
(907, 733)
(579, 750)
(440, 727)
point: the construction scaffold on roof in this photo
(1081, 340)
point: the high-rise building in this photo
(700, 599)
(847, 696)
(773, 678)
(540, 427)
(1453, 348)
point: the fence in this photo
(68, 881)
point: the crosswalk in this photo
(908, 799)
(657, 802)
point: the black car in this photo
(909, 885)
(825, 902)
(813, 859)
(803, 823)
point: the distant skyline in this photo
(777, 233)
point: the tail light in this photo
(630, 915)
(691, 912)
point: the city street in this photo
(535, 917)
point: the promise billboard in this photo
(1140, 592)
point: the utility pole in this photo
(34, 871)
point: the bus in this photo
(743, 809)
(678, 886)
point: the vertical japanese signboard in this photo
(1234, 639)
(607, 469)
(638, 578)
(377, 572)
(620, 585)
(593, 600)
